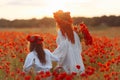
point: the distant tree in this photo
(47, 22)
(4, 23)
(50, 22)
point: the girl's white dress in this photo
(69, 54)
(32, 61)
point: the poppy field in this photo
(101, 59)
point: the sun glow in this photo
(48, 9)
(27, 9)
(65, 5)
(55, 5)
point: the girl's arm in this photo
(53, 57)
(28, 64)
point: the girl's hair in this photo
(64, 22)
(40, 52)
(36, 44)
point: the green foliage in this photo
(49, 22)
(45, 22)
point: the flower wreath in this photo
(62, 17)
(35, 38)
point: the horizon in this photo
(39, 9)
(53, 18)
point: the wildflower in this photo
(37, 77)
(12, 74)
(48, 73)
(74, 73)
(83, 74)
(1, 67)
(68, 77)
(21, 60)
(27, 77)
(78, 66)
(22, 74)
(13, 56)
(41, 73)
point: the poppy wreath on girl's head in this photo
(35, 38)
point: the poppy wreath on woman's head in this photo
(35, 38)
(62, 17)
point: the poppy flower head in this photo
(78, 66)
(35, 38)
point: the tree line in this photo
(50, 22)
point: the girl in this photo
(38, 58)
(69, 47)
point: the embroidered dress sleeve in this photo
(28, 63)
(61, 50)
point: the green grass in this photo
(41, 30)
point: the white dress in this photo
(32, 61)
(69, 54)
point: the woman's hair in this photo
(64, 22)
(36, 44)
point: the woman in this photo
(69, 47)
(38, 58)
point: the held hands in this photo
(58, 68)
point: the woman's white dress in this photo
(32, 61)
(69, 54)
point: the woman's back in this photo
(70, 54)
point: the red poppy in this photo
(78, 66)
(27, 77)
(83, 74)
(22, 73)
(48, 73)
(74, 73)
(69, 77)
(37, 77)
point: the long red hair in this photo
(64, 22)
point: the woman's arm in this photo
(61, 50)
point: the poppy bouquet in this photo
(83, 33)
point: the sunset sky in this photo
(27, 9)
